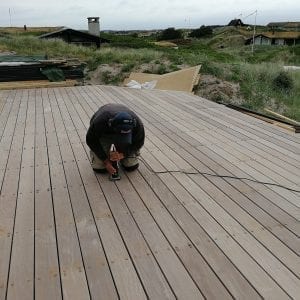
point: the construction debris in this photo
(182, 80)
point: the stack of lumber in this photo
(183, 80)
(14, 70)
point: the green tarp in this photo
(53, 73)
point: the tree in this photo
(170, 34)
(203, 31)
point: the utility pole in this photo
(254, 28)
(9, 16)
(254, 32)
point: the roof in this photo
(68, 33)
(236, 22)
(66, 29)
(284, 24)
(282, 35)
(211, 213)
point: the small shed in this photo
(73, 36)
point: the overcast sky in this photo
(143, 14)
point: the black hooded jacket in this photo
(99, 128)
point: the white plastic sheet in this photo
(148, 85)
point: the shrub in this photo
(283, 81)
(170, 34)
(127, 67)
(203, 31)
(162, 69)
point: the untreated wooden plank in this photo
(284, 278)
(21, 275)
(47, 273)
(7, 127)
(99, 282)
(73, 279)
(9, 186)
(35, 84)
(231, 278)
(191, 259)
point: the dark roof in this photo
(75, 36)
(236, 22)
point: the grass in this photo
(255, 72)
(129, 57)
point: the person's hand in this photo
(108, 166)
(115, 156)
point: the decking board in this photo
(162, 232)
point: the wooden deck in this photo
(173, 229)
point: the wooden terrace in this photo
(212, 213)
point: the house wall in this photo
(260, 40)
(279, 42)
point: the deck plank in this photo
(13, 132)
(47, 273)
(91, 248)
(73, 279)
(21, 275)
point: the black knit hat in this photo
(123, 123)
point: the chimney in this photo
(94, 26)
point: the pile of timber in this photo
(33, 70)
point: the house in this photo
(275, 38)
(72, 36)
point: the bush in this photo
(203, 31)
(170, 34)
(283, 81)
(162, 69)
(128, 67)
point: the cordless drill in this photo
(115, 164)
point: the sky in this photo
(143, 15)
